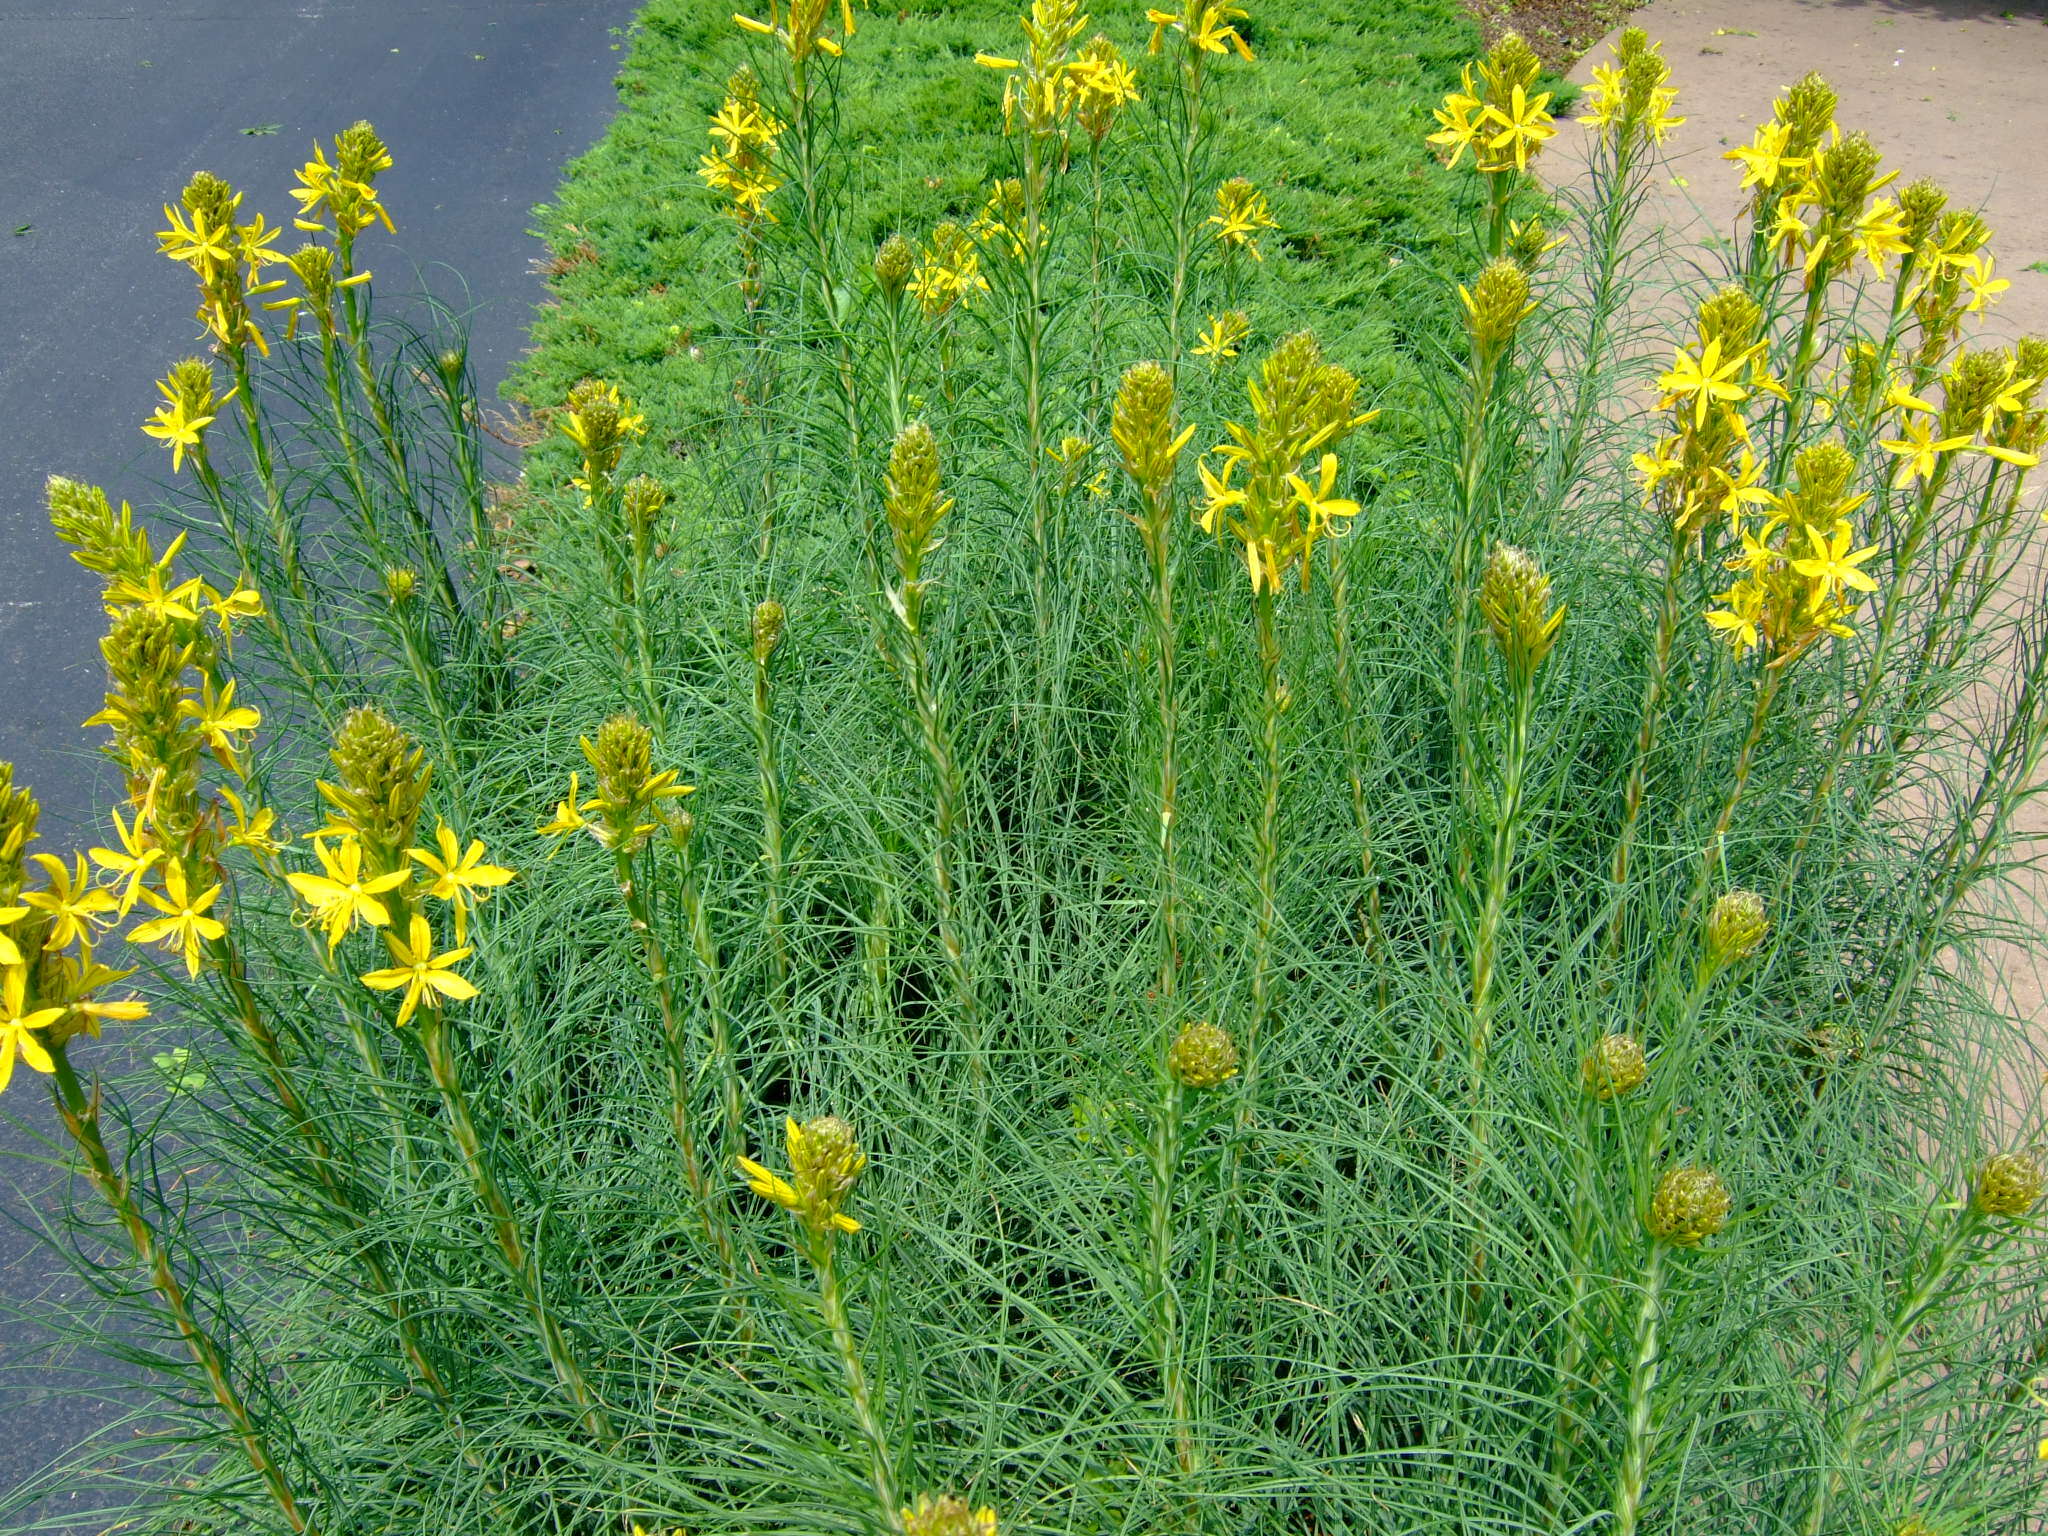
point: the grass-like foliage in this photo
(1086, 915)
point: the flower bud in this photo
(1921, 202)
(1508, 63)
(1613, 1067)
(643, 497)
(622, 758)
(207, 196)
(768, 621)
(1496, 304)
(912, 498)
(18, 814)
(2011, 1184)
(1808, 109)
(359, 154)
(1732, 318)
(1529, 242)
(1690, 1206)
(1202, 1056)
(824, 1160)
(383, 781)
(1844, 174)
(400, 583)
(947, 1515)
(1736, 928)
(1514, 595)
(893, 265)
(1142, 427)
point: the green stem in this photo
(1642, 1382)
(81, 1117)
(437, 1043)
(1161, 1290)
(1266, 841)
(859, 1395)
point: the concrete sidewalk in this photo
(107, 108)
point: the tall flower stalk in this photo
(1143, 428)
(915, 509)
(1302, 406)
(1205, 28)
(1514, 597)
(825, 1160)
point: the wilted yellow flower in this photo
(425, 976)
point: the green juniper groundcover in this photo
(1089, 864)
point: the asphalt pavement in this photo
(107, 107)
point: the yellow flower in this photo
(1984, 287)
(201, 245)
(1241, 212)
(568, 815)
(460, 875)
(1741, 618)
(185, 922)
(1918, 450)
(179, 602)
(10, 952)
(241, 603)
(824, 1161)
(1319, 507)
(1833, 566)
(72, 901)
(1458, 127)
(1207, 25)
(1524, 126)
(1881, 232)
(425, 976)
(1763, 159)
(170, 423)
(1704, 380)
(1226, 332)
(341, 896)
(18, 1023)
(219, 716)
(251, 832)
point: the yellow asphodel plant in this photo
(1265, 498)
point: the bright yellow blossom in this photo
(1706, 380)
(1225, 334)
(219, 717)
(341, 897)
(425, 976)
(1524, 126)
(10, 952)
(1763, 158)
(1241, 212)
(1207, 24)
(1834, 565)
(1918, 451)
(569, 815)
(185, 923)
(18, 1024)
(73, 902)
(460, 875)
